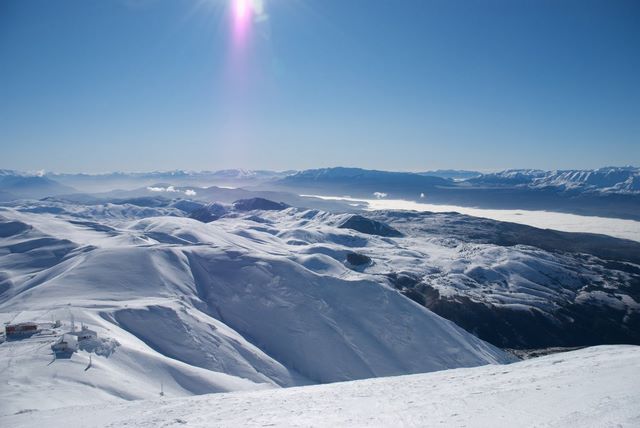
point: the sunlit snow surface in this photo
(594, 387)
(619, 228)
(253, 300)
(234, 304)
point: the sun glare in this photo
(242, 15)
(242, 9)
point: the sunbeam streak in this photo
(242, 11)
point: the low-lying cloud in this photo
(171, 189)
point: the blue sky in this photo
(92, 85)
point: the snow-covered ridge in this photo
(283, 297)
(603, 179)
(606, 192)
(196, 308)
(607, 179)
(457, 265)
(592, 387)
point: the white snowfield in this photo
(264, 300)
(193, 308)
(593, 387)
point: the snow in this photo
(201, 308)
(604, 180)
(592, 387)
(619, 228)
(608, 179)
(263, 300)
(31, 373)
(264, 309)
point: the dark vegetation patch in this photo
(572, 324)
(259, 204)
(358, 259)
(486, 231)
(370, 227)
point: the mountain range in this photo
(205, 290)
(605, 192)
(256, 299)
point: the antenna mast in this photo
(73, 320)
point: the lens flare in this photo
(242, 13)
(241, 9)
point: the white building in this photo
(68, 343)
(85, 333)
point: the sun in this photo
(242, 9)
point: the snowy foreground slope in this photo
(193, 308)
(593, 387)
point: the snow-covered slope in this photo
(610, 179)
(239, 303)
(512, 285)
(593, 387)
(516, 286)
(606, 179)
(601, 180)
(606, 192)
